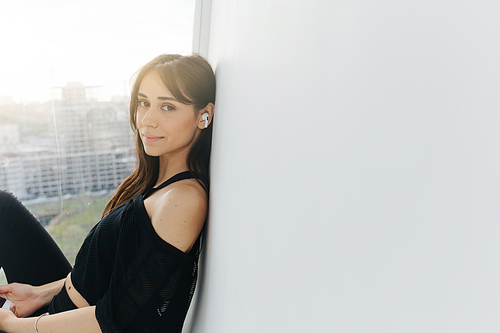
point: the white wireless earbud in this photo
(205, 117)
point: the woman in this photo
(136, 270)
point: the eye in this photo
(168, 108)
(143, 104)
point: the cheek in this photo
(184, 125)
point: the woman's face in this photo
(167, 127)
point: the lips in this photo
(151, 138)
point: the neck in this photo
(170, 166)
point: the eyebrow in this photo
(161, 98)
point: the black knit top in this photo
(138, 282)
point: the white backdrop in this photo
(356, 167)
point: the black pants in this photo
(28, 254)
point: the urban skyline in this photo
(75, 144)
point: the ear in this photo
(203, 118)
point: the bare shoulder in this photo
(187, 191)
(178, 214)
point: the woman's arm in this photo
(27, 299)
(75, 321)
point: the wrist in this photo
(25, 325)
(45, 293)
(41, 296)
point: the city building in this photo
(93, 149)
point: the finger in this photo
(5, 290)
(13, 308)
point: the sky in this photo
(48, 43)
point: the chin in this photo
(151, 152)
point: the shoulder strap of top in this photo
(171, 180)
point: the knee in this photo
(6, 196)
(7, 200)
(11, 209)
(14, 215)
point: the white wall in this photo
(356, 167)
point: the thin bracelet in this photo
(37, 319)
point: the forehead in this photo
(152, 86)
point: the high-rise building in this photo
(94, 149)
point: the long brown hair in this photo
(191, 80)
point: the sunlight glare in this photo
(102, 44)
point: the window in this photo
(65, 141)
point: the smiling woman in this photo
(82, 149)
(136, 270)
(159, 117)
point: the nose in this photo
(149, 118)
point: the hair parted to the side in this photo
(191, 80)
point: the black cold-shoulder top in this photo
(138, 282)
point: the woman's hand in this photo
(23, 297)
